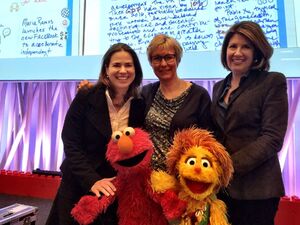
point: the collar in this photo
(243, 78)
(110, 102)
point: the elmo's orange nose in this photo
(125, 144)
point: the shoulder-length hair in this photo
(263, 51)
(133, 89)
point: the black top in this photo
(193, 111)
(252, 128)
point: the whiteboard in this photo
(38, 28)
(81, 35)
(199, 25)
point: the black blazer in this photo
(253, 133)
(86, 133)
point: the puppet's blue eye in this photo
(129, 131)
(191, 161)
(116, 136)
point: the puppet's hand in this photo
(173, 207)
(86, 210)
(161, 181)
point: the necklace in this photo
(171, 93)
(200, 216)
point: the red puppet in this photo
(129, 152)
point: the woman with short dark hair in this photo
(250, 114)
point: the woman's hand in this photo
(84, 84)
(104, 186)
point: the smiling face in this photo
(129, 151)
(199, 172)
(166, 67)
(121, 71)
(239, 55)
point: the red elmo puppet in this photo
(129, 152)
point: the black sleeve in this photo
(72, 136)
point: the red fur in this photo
(137, 204)
(86, 210)
(172, 205)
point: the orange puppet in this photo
(198, 166)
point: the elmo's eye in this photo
(116, 135)
(191, 161)
(129, 131)
(205, 163)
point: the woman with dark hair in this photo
(250, 113)
(171, 102)
(110, 105)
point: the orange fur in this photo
(210, 168)
(187, 138)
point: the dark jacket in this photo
(253, 132)
(195, 109)
(86, 133)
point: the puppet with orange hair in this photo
(198, 166)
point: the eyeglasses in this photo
(169, 58)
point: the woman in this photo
(250, 112)
(171, 103)
(112, 104)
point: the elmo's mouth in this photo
(196, 186)
(132, 161)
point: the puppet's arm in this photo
(218, 213)
(89, 207)
(161, 181)
(163, 191)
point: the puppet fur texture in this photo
(129, 152)
(198, 166)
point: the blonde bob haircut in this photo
(165, 42)
(263, 51)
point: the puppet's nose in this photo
(125, 144)
(197, 170)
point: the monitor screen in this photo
(65, 39)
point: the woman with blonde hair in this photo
(171, 103)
